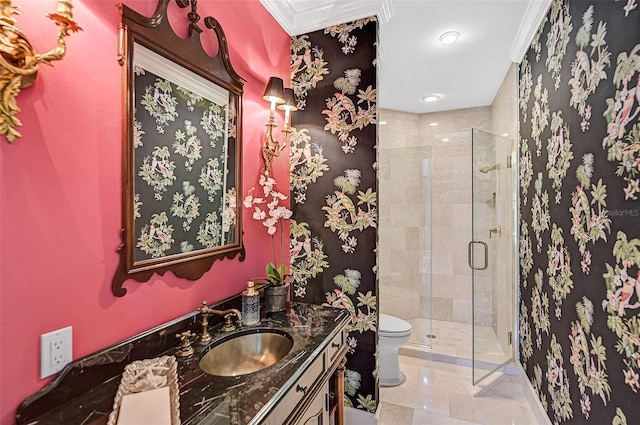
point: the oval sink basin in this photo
(246, 352)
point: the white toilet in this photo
(393, 333)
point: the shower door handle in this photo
(470, 255)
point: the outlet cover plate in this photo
(56, 350)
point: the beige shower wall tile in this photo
(483, 287)
(398, 275)
(442, 215)
(392, 237)
(408, 216)
(398, 120)
(504, 109)
(384, 214)
(451, 286)
(448, 191)
(461, 235)
(461, 215)
(396, 302)
(403, 269)
(456, 120)
(461, 311)
(483, 310)
(414, 238)
(392, 193)
(442, 254)
(442, 309)
(458, 145)
(401, 185)
(415, 195)
(453, 167)
(417, 141)
(406, 168)
(384, 167)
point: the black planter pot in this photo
(275, 298)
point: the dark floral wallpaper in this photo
(333, 188)
(580, 212)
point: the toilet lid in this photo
(392, 324)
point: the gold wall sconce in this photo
(19, 62)
(283, 99)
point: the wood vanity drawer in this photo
(304, 385)
(335, 346)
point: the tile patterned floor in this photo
(437, 393)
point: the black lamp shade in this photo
(275, 89)
(289, 101)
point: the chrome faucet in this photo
(229, 326)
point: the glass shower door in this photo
(404, 238)
(491, 253)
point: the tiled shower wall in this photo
(404, 233)
(449, 143)
(401, 241)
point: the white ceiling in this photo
(412, 61)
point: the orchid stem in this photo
(281, 244)
(273, 247)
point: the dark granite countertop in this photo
(204, 399)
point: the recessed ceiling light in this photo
(430, 98)
(433, 124)
(505, 134)
(446, 139)
(382, 122)
(449, 37)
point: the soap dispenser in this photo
(250, 305)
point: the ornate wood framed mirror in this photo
(182, 148)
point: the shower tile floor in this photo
(454, 340)
(437, 393)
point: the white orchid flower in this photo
(258, 214)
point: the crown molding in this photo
(536, 11)
(300, 17)
(281, 12)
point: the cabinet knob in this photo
(301, 389)
(335, 345)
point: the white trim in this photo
(322, 14)
(326, 15)
(536, 10)
(385, 11)
(281, 12)
(532, 396)
(153, 62)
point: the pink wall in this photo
(60, 195)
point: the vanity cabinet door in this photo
(296, 394)
(318, 411)
(307, 401)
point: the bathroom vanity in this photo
(304, 387)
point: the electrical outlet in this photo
(56, 350)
